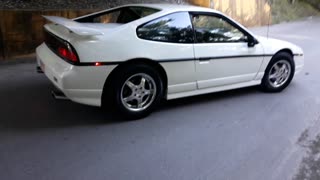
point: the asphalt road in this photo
(239, 134)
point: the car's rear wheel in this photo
(279, 73)
(136, 91)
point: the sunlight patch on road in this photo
(292, 36)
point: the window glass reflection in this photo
(211, 29)
(171, 28)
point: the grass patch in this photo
(283, 11)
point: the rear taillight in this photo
(68, 54)
(62, 48)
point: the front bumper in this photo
(299, 63)
(82, 84)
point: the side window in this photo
(211, 29)
(175, 28)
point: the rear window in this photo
(121, 15)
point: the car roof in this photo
(173, 7)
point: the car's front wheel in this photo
(279, 73)
(136, 91)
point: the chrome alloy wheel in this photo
(279, 73)
(138, 92)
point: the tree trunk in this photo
(292, 1)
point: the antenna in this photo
(270, 11)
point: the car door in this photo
(169, 40)
(223, 56)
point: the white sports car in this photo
(130, 57)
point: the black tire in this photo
(113, 95)
(287, 60)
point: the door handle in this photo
(204, 59)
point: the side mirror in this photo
(252, 42)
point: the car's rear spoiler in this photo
(76, 27)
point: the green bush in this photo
(314, 3)
(283, 10)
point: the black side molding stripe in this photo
(177, 60)
(212, 58)
(100, 63)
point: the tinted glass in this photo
(211, 29)
(142, 11)
(174, 28)
(107, 18)
(121, 15)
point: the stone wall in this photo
(247, 12)
(22, 30)
(72, 4)
(21, 24)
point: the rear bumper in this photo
(82, 84)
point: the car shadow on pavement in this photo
(26, 103)
(210, 97)
(29, 105)
(35, 108)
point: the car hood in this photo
(272, 46)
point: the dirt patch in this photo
(310, 166)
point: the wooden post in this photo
(212, 4)
(1, 45)
(204, 3)
(2, 41)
